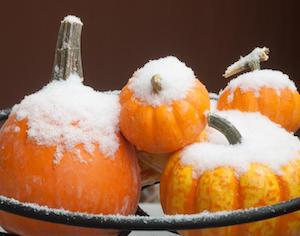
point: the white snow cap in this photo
(213, 101)
(72, 19)
(263, 142)
(255, 80)
(67, 113)
(176, 80)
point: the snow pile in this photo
(176, 80)
(263, 142)
(72, 19)
(255, 80)
(67, 113)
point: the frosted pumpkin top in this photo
(263, 142)
(255, 80)
(176, 80)
(66, 113)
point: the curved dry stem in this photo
(225, 127)
(251, 61)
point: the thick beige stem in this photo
(251, 61)
(156, 84)
(68, 53)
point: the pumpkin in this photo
(152, 165)
(266, 91)
(61, 148)
(163, 106)
(213, 177)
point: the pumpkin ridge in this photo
(164, 191)
(178, 118)
(296, 112)
(170, 187)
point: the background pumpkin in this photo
(163, 106)
(219, 186)
(64, 175)
(266, 91)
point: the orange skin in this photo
(165, 128)
(28, 174)
(283, 109)
(220, 189)
(152, 165)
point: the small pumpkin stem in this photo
(225, 127)
(4, 114)
(68, 53)
(251, 61)
(156, 84)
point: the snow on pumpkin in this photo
(176, 80)
(257, 79)
(66, 113)
(263, 142)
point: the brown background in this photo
(120, 36)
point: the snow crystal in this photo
(263, 142)
(66, 113)
(176, 80)
(255, 80)
(72, 19)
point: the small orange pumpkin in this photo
(163, 106)
(211, 182)
(266, 91)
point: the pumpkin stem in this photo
(251, 61)
(156, 84)
(68, 54)
(225, 127)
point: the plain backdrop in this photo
(121, 36)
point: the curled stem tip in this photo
(251, 61)
(156, 84)
(225, 127)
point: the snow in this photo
(263, 142)
(72, 19)
(213, 101)
(176, 80)
(155, 211)
(158, 216)
(255, 80)
(66, 113)
(213, 96)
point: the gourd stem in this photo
(225, 127)
(68, 52)
(251, 61)
(156, 84)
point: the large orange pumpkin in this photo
(266, 91)
(163, 106)
(94, 184)
(220, 187)
(61, 148)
